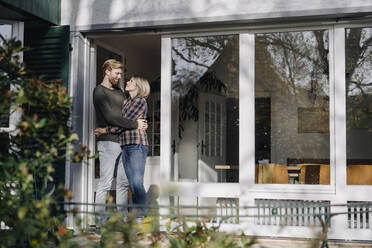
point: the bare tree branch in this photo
(188, 60)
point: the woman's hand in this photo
(98, 131)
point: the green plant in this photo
(31, 154)
(198, 234)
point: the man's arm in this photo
(111, 118)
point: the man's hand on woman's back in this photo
(142, 124)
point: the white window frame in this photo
(246, 185)
(248, 116)
(18, 33)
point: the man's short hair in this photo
(111, 64)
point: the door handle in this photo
(202, 147)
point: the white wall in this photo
(130, 13)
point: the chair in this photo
(359, 175)
(271, 173)
(314, 173)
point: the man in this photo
(108, 100)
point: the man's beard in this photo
(114, 82)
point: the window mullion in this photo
(246, 120)
(339, 108)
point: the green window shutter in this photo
(48, 53)
(48, 56)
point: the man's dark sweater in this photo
(108, 105)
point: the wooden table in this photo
(221, 167)
(294, 174)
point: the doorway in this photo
(140, 55)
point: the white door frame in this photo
(78, 175)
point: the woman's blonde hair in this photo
(142, 85)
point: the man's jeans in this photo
(109, 159)
(134, 160)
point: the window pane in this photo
(153, 118)
(359, 105)
(205, 95)
(4, 145)
(292, 107)
(6, 32)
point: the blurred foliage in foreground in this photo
(32, 154)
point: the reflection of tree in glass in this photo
(359, 78)
(299, 59)
(192, 57)
(359, 61)
(194, 70)
(291, 69)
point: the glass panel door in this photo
(205, 93)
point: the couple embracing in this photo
(121, 137)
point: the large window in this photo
(205, 108)
(358, 53)
(6, 33)
(292, 136)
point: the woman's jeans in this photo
(134, 160)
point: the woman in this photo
(134, 142)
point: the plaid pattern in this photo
(134, 108)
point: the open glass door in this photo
(205, 98)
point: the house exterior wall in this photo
(94, 14)
(48, 10)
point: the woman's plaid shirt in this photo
(133, 109)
